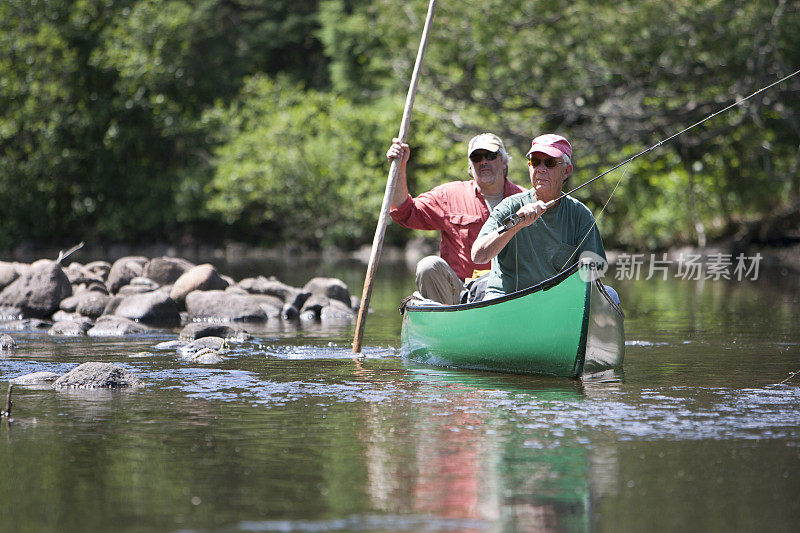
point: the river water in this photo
(291, 433)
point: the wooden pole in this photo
(377, 242)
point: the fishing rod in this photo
(514, 219)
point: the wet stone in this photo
(213, 343)
(36, 378)
(7, 343)
(207, 356)
(170, 345)
(95, 375)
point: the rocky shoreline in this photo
(136, 294)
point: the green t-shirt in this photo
(543, 249)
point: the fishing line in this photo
(659, 143)
(594, 223)
(513, 220)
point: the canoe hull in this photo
(567, 326)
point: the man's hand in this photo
(486, 248)
(399, 151)
(529, 213)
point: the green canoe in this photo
(565, 326)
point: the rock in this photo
(36, 378)
(10, 313)
(88, 303)
(336, 311)
(100, 268)
(291, 309)
(80, 275)
(198, 330)
(7, 343)
(123, 271)
(92, 304)
(314, 305)
(29, 324)
(270, 286)
(94, 375)
(38, 292)
(130, 290)
(166, 270)
(145, 283)
(224, 307)
(69, 304)
(170, 345)
(63, 316)
(151, 308)
(271, 305)
(235, 289)
(217, 344)
(113, 303)
(290, 312)
(8, 273)
(93, 286)
(71, 328)
(200, 278)
(332, 288)
(207, 356)
(115, 326)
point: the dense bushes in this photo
(267, 122)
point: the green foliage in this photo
(269, 121)
(616, 78)
(298, 165)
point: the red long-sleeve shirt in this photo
(458, 211)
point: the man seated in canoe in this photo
(458, 210)
(530, 251)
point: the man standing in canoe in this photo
(528, 253)
(457, 209)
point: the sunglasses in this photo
(549, 162)
(477, 157)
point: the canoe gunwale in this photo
(543, 286)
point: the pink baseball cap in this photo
(552, 145)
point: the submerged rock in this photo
(7, 343)
(71, 328)
(36, 378)
(207, 356)
(170, 345)
(94, 375)
(217, 344)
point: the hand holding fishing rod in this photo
(527, 215)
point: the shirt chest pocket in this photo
(465, 220)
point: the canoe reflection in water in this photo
(467, 457)
(568, 326)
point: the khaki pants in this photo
(437, 281)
